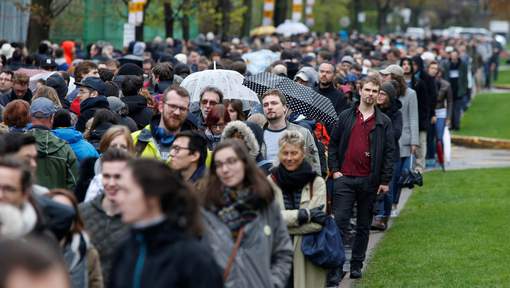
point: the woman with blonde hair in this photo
(48, 92)
(301, 195)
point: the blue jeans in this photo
(384, 205)
(405, 163)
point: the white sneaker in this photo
(394, 213)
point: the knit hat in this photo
(389, 89)
(116, 105)
(130, 69)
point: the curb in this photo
(480, 142)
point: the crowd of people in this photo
(112, 177)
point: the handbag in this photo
(409, 178)
(324, 248)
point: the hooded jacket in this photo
(56, 162)
(81, 148)
(138, 110)
(106, 232)
(88, 108)
(163, 255)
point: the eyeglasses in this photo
(6, 79)
(229, 163)
(211, 103)
(176, 149)
(174, 107)
(218, 126)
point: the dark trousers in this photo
(456, 113)
(350, 190)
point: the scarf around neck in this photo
(290, 181)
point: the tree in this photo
(499, 8)
(42, 14)
(383, 9)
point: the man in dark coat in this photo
(92, 91)
(137, 104)
(326, 87)
(361, 160)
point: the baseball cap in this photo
(280, 69)
(94, 83)
(42, 107)
(393, 69)
(301, 75)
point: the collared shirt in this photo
(357, 157)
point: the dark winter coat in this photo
(138, 110)
(337, 98)
(163, 255)
(382, 145)
(394, 113)
(426, 93)
(8, 97)
(88, 108)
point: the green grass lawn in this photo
(503, 78)
(452, 233)
(488, 116)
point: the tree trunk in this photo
(245, 31)
(169, 18)
(357, 8)
(39, 23)
(381, 20)
(225, 19)
(280, 11)
(139, 28)
(185, 19)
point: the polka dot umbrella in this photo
(300, 99)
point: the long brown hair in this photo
(254, 178)
(237, 105)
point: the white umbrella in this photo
(228, 81)
(289, 28)
(258, 61)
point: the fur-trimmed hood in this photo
(249, 137)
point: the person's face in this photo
(147, 67)
(382, 98)
(194, 57)
(301, 81)
(92, 73)
(20, 90)
(112, 173)
(232, 113)
(28, 153)
(229, 168)
(55, 277)
(291, 156)
(386, 77)
(119, 142)
(209, 100)
(273, 107)
(345, 66)
(406, 66)
(86, 93)
(181, 155)
(326, 73)
(133, 204)
(174, 111)
(10, 187)
(218, 128)
(433, 69)
(369, 93)
(454, 56)
(5, 81)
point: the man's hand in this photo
(337, 175)
(433, 120)
(413, 149)
(383, 189)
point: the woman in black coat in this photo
(163, 249)
(389, 104)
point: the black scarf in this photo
(295, 180)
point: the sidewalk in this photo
(462, 158)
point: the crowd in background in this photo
(109, 161)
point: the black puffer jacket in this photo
(382, 145)
(163, 255)
(138, 110)
(394, 113)
(88, 108)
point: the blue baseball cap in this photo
(93, 83)
(42, 107)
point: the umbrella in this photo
(263, 30)
(258, 61)
(300, 98)
(228, 81)
(289, 28)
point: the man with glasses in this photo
(6, 82)
(19, 89)
(188, 154)
(210, 97)
(155, 139)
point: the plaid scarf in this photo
(240, 208)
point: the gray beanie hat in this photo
(389, 89)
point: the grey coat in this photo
(264, 258)
(410, 132)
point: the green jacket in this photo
(57, 166)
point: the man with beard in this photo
(361, 160)
(275, 109)
(327, 88)
(155, 140)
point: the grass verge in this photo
(488, 116)
(452, 233)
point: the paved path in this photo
(462, 158)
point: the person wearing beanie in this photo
(120, 108)
(58, 83)
(389, 104)
(92, 97)
(130, 69)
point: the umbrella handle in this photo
(214, 65)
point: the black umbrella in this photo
(300, 99)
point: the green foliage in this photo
(451, 234)
(488, 115)
(327, 15)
